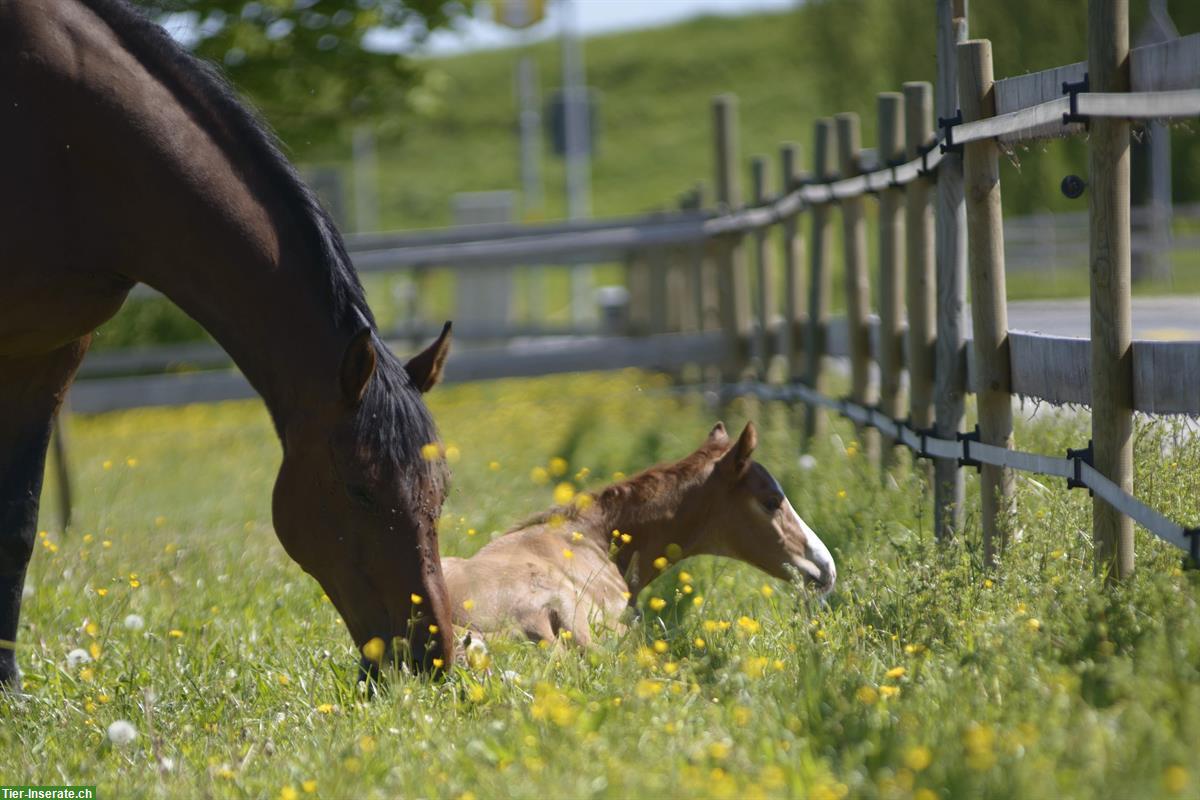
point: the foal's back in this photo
(536, 581)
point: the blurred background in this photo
(413, 114)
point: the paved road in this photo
(1163, 318)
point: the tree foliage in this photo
(303, 62)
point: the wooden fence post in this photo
(891, 265)
(858, 295)
(660, 316)
(920, 286)
(794, 288)
(989, 310)
(951, 228)
(768, 317)
(734, 287)
(1109, 256)
(820, 282)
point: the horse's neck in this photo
(197, 215)
(652, 526)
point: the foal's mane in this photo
(644, 488)
(391, 418)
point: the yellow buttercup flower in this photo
(568, 553)
(657, 603)
(325, 708)
(766, 591)
(437, 663)
(373, 650)
(867, 695)
(660, 563)
(431, 451)
(660, 646)
(918, 758)
(416, 599)
(468, 604)
(563, 493)
(558, 466)
(896, 672)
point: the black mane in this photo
(392, 420)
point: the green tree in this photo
(303, 62)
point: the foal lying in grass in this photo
(577, 568)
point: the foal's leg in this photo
(31, 390)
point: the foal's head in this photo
(358, 496)
(748, 517)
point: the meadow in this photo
(923, 677)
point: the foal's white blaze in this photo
(818, 555)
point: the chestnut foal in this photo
(567, 570)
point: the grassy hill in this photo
(656, 87)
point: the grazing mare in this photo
(566, 569)
(126, 160)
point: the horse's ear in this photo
(425, 368)
(358, 365)
(718, 435)
(737, 461)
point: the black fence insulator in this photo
(965, 459)
(947, 126)
(1072, 89)
(1072, 187)
(926, 434)
(1078, 458)
(1193, 559)
(925, 150)
(893, 183)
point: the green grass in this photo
(1030, 682)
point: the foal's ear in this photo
(358, 365)
(425, 368)
(718, 435)
(737, 461)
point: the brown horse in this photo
(126, 160)
(571, 568)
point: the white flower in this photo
(77, 657)
(509, 676)
(167, 763)
(121, 732)
(807, 462)
(134, 622)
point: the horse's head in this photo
(358, 496)
(749, 518)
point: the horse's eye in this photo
(360, 495)
(772, 503)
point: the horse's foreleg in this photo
(31, 391)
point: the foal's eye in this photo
(771, 504)
(360, 495)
